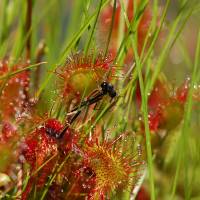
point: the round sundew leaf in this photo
(82, 74)
(14, 92)
(86, 80)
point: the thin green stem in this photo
(93, 28)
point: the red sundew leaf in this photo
(165, 111)
(84, 183)
(82, 74)
(159, 96)
(87, 177)
(42, 145)
(38, 147)
(53, 127)
(29, 151)
(15, 91)
(166, 116)
(108, 169)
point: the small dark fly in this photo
(106, 89)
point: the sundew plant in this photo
(100, 99)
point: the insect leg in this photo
(90, 101)
(75, 116)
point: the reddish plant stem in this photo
(28, 28)
(28, 46)
(39, 55)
